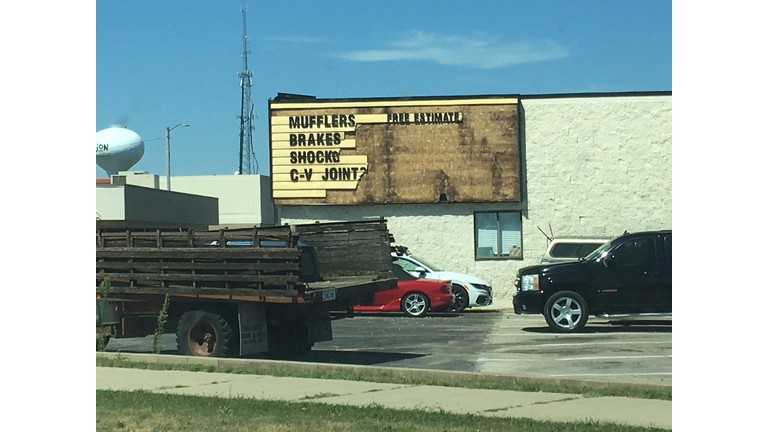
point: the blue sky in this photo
(163, 63)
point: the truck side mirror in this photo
(609, 261)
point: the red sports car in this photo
(413, 296)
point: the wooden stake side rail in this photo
(190, 238)
(251, 264)
(200, 263)
(349, 248)
(145, 293)
(156, 267)
(156, 279)
(210, 253)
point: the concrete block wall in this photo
(241, 197)
(596, 166)
(592, 166)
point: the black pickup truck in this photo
(629, 275)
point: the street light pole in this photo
(168, 154)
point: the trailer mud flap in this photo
(319, 326)
(253, 328)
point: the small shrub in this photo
(161, 319)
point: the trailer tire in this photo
(205, 334)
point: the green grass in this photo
(456, 381)
(144, 411)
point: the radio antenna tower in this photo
(246, 112)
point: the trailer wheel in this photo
(205, 334)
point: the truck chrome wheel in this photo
(566, 311)
(415, 304)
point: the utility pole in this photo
(246, 112)
(168, 154)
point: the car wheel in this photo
(566, 312)
(415, 304)
(462, 298)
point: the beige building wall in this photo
(596, 167)
(592, 166)
(129, 206)
(110, 203)
(243, 199)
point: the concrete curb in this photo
(376, 370)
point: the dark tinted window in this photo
(565, 250)
(572, 250)
(587, 249)
(668, 248)
(636, 251)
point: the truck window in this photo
(573, 250)
(636, 251)
(565, 250)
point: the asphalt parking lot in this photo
(504, 343)
(497, 342)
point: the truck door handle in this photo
(651, 273)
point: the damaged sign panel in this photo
(394, 150)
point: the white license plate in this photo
(329, 294)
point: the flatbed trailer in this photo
(240, 292)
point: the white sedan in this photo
(470, 291)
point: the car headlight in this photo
(482, 287)
(529, 283)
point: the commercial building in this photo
(475, 184)
(137, 199)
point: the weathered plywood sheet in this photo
(419, 152)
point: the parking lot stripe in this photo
(601, 343)
(612, 374)
(483, 359)
(613, 357)
(575, 335)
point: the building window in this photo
(498, 235)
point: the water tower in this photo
(118, 149)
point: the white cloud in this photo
(478, 51)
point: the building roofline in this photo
(597, 94)
(291, 98)
(297, 98)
